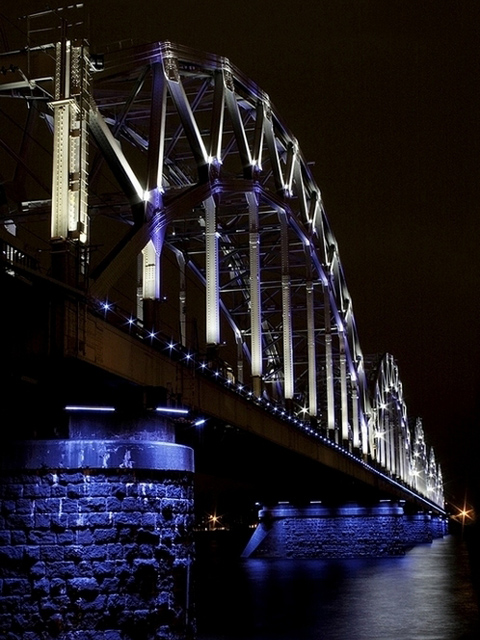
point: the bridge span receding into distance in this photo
(172, 283)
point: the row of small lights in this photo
(243, 390)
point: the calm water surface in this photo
(427, 594)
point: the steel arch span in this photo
(179, 194)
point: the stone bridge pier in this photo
(347, 531)
(96, 537)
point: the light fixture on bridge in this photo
(88, 408)
(172, 410)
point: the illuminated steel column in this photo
(329, 380)
(393, 448)
(64, 112)
(365, 430)
(380, 428)
(388, 441)
(182, 295)
(398, 460)
(70, 144)
(312, 361)
(151, 273)
(401, 455)
(240, 377)
(255, 295)
(288, 388)
(394, 444)
(154, 204)
(355, 421)
(384, 440)
(211, 268)
(343, 386)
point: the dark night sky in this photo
(383, 97)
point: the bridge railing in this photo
(11, 256)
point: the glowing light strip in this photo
(172, 410)
(86, 408)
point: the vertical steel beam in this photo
(153, 205)
(288, 389)
(150, 272)
(240, 377)
(355, 424)
(343, 387)
(311, 355)
(62, 115)
(391, 446)
(329, 379)
(255, 295)
(366, 428)
(182, 295)
(381, 439)
(212, 271)
(70, 144)
(401, 456)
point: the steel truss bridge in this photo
(183, 223)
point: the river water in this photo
(428, 594)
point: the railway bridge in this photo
(177, 338)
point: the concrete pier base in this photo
(96, 540)
(348, 531)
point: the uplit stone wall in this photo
(96, 555)
(350, 531)
(418, 528)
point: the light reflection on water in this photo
(425, 595)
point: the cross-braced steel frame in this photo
(180, 193)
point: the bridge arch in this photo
(187, 191)
(229, 198)
(397, 444)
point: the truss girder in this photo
(204, 180)
(402, 450)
